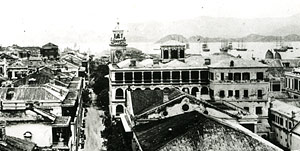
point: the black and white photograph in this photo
(141, 75)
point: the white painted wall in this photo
(41, 133)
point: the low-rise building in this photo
(284, 119)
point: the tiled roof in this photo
(193, 130)
(145, 99)
(238, 62)
(46, 92)
(217, 60)
(16, 144)
(70, 99)
(49, 46)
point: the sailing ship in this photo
(280, 47)
(225, 46)
(241, 46)
(205, 47)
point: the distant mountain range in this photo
(249, 38)
(259, 29)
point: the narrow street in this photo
(93, 127)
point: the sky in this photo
(35, 22)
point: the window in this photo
(230, 93)
(185, 76)
(295, 96)
(296, 84)
(246, 76)
(259, 75)
(246, 108)
(119, 93)
(119, 77)
(237, 93)
(166, 54)
(230, 76)
(211, 75)
(147, 77)
(195, 76)
(181, 53)
(272, 116)
(166, 76)
(237, 77)
(276, 87)
(204, 75)
(258, 110)
(157, 76)
(290, 125)
(175, 76)
(128, 77)
(222, 76)
(222, 94)
(286, 64)
(138, 77)
(281, 121)
(259, 94)
(246, 94)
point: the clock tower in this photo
(118, 45)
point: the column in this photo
(133, 77)
(142, 77)
(169, 51)
(190, 76)
(151, 77)
(180, 76)
(123, 77)
(161, 77)
(171, 79)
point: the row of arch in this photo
(193, 91)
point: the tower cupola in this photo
(118, 45)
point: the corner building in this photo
(217, 77)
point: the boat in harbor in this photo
(280, 47)
(241, 46)
(225, 46)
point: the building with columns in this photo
(215, 78)
(292, 83)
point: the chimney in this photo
(132, 63)
(166, 95)
(207, 61)
(2, 131)
(293, 114)
(155, 61)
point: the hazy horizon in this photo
(35, 22)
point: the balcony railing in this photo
(60, 145)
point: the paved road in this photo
(93, 128)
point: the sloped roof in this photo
(145, 99)
(173, 43)
(293, 62)
(216, 60)
(277, 55)
(16, 144)
(49, 46)
(286, 109)
(194, 130)
(46, 92)
(238, 62)
(269, 55)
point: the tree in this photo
(100, 84)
